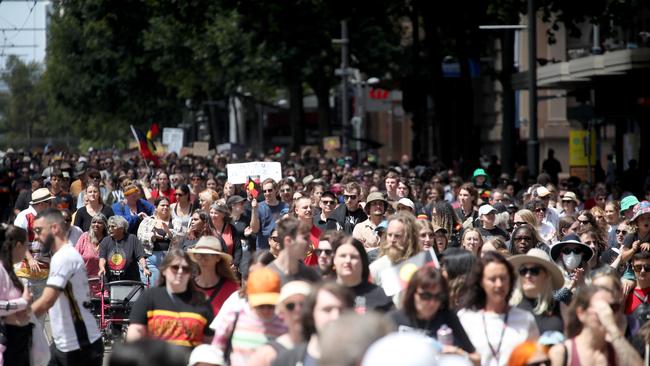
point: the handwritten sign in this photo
(239, 173)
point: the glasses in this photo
(534, 271)
(350, 197)
(318, 252)
(179, 194)
(268, 190)
(519, 223)
(327, 202)
(291, 306)
(640, 267)
(177, 268)
(274, 238)
(428, 296)
(540, 363)
(542, 210)
(525, 238)
(619, 232)
(571, 250)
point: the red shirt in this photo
(219, 293)
(170, 194)
(633, 301)
(314, 237)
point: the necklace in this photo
(495, 352)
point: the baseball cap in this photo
(263, 287)
(208, 354)
(486, 209)
(542, 192)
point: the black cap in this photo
(232, 200)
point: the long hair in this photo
(457, 263)
(10, 236)
(208, 227)
(544, 299)
(99, 198)
(365, 262)
(345, 295)
(425, 277)
(581, 300)
(475, 297)
(445, 216)
(222, 268)
(197, 296)
(101, 219)
(410, 235)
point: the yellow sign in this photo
(331, 143)
(582, 148)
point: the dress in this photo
(496, 335)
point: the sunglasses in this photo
(619, 232)
(540, 210)
(525, 238)
(179, 194)
(534, 271)
(519, 223)
(327, 202)
(268, 190)
(640, 267)
(176, 268)
(318, 252)
(540, 363)
(428, 296)
(571, 250)
(291, 306)
(350, 197)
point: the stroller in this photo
(112, 306)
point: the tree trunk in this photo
(296, 110)
(508, 136)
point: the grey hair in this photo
(118, 221)
(100, 217)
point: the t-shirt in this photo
(83, 218)
(483, 327)
(369, 297)
(122, 257)
(172, 317)
(67, 270)
(218, 293)
(550, 320)
(304, 273)
(430, 327)
(496, 231)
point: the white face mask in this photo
(572, 261)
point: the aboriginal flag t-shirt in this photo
(172, 317)
(121, 257)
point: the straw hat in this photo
(41, 195)
(210, 245)
(541, 258)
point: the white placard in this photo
(173, 139)
(238, 173)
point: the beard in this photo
(46, 246)
(394, 254)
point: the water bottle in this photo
(445, 335)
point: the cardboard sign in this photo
(201, 148)
(173, 139)
(239, 173)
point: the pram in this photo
(112, 310)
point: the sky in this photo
(17, 15)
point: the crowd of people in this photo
(334, 264)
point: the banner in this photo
(239, 173)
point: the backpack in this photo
(640, 315)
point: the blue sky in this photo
(16, 14)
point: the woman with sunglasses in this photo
(181, 209)
(538, 208)
(215, 279)
(538, 278)
(572, 258)
(353, 271)
(594, 337)
(494, 327)
(424, 310)
(174, 311)
(94, 205)
(290, 304)
(524, 238)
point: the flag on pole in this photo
(146, 146)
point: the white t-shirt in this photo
(68, 266)
(521, 326)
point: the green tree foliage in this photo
(23, 110)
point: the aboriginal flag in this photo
(147, 148)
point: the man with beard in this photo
(293, 236)
(327, 203)
(350, 214)
(77, 340)
(400, 243)
(367, 232)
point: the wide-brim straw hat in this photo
(210, 245)
(540, 258)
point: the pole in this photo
(345, 113)
(533, 143)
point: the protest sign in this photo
(239, 173)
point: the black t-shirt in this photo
(173, 317)
(430, 327)
(83, 218)
(551, 320)
(369, 296)
(496, 231)
(122, 257)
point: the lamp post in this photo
(533, 143)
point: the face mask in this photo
(572, 261)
